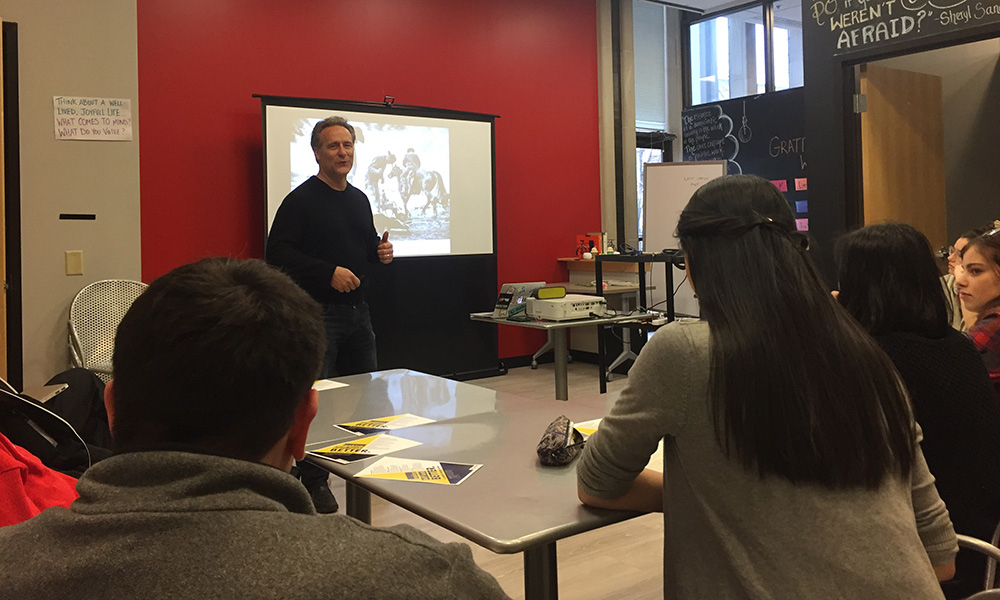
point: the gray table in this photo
(557, 331)
(512, 504)
(626, 292)
(394, 392)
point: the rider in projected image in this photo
(411, 162)
(324, 238)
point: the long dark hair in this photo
(797, 388)
(889, 281)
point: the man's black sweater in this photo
(318, 229)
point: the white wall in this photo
(72, 48)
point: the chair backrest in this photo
(94, 316)
(991, 551)
(991, 562)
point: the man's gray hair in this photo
(330, 122)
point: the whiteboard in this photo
(666, 191)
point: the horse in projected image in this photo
(415, 182)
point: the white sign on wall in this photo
(85, 118)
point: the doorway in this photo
(927, 138)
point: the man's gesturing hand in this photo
(385, 249)
(344, 280)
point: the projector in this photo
(572, 306)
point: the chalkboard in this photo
(757, 135)
(851, 25)
(667, 189)
(708, 135)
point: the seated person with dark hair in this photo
(889, 282)
(210, 403)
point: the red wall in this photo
(532, 62)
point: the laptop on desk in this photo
(513, 299)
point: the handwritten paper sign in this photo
(85, 118)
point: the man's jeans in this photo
(350, 349)
(350, 340)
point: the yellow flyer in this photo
(364, 447)
(419, 471)
(587, 428)
(382, 424)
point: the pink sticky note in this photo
(781, 184)
(801, 184)
(802, 224)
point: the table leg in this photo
(359, 503)
(626, 353)
(541, 578)
(545, 348)
(562, 385)
(602, 360)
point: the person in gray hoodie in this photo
(210, 404)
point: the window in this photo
(787, 44)
(650, 54)
(649, 43)
(728, 53)
(727, 56)
(650, 147)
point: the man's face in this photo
(335, 154)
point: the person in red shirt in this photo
(27, 487)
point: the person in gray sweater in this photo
(792, 465)
(210, 403)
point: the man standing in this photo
(323, 237)
(211, 401)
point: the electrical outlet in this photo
(74, 262)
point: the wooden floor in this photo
(624, 560)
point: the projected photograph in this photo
(429, 179)
(405, 172)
